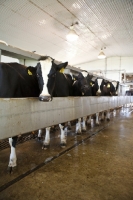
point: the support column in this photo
(0, 55)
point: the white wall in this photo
(7, 59)
(28, 62)
(112, 67)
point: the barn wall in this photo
(28, 62)
(7, 59)
(119, 65)
(23, 115)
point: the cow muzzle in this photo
(45, 98)
(85, 88)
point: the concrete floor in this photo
(100, 168)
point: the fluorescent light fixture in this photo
(72, 35)
(101, 54)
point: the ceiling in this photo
(42, 26)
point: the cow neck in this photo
(53, 88)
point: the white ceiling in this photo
(42, 26)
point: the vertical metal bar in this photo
(105, 67)
(0, 55)
(120, 71)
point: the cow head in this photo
(82, 84)
(46, 70)
(93, 81)
(116, 86)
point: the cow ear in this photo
(62, 65)
(30, 70)
(62, 70)
(75, 77)
(80, 76)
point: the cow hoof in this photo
(63, 145)
(39, 139)
(45, 98)
(108, 119)
(45, 146)
(83, 130)
(78, 133)
(10, 169)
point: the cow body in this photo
(15, 82)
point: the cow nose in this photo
(85, 87)
(45, 98)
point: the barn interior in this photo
(100, 165)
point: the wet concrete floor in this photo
(99, 168)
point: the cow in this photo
(129, 93)
(80, 85)
(107, 88)
(116, 85)
(93, 82)
(62, 88)
(17, 81)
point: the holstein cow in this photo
(107, 88)
(116, 85)
(101, 87)
(93, 82)
(60, 85)
(81, 87)
(18, 81)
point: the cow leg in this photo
(63, 135)
(69, 126)
(89, 120)
(97, 118)
(13, 158)
(114, 112)
(84, 124)
(46, 141)
(102, 116)
(39, 134)
(78, 126)
(108, 115)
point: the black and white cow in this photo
(93, 82)
(58, 85)
(81, 86)
(107, 88)
(18, 81)
(116, 86)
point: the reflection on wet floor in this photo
(99, 168)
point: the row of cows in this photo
(46, 81)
